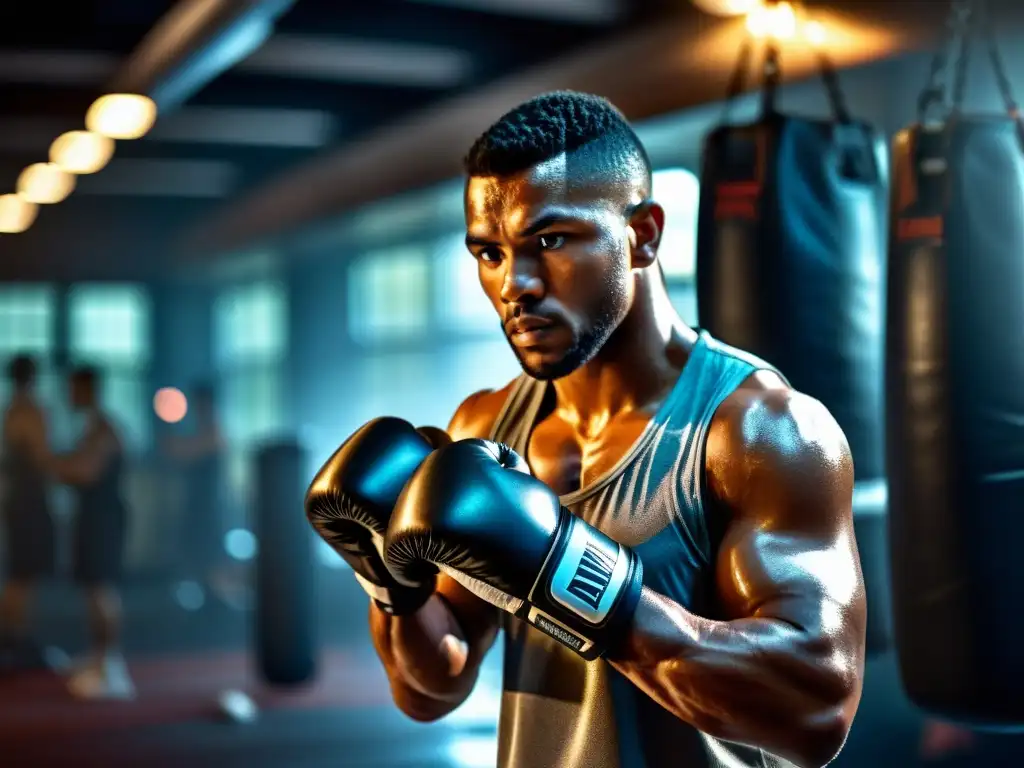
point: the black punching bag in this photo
(791, 252)
(955, 410)
(286, 638)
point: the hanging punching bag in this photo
(790, 254)
(286, 643)
(790, 266)
(955, 403)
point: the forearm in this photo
(431, 661)
(69, 469)
(757, 681)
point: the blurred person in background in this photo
(94, 469)
(27, 520)
(201, 456)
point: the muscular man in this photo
(93, 469)
(703, 470)
(28, 524)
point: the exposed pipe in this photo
(192, 44)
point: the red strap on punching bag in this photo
(920, 214)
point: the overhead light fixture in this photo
(776, 20)
(815, 32)
(81, 151)
(16, 214)
(121, 115)
(45, 183)
(726, 7)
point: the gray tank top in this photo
(558, 711)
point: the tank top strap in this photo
(714, 373)
(519, 413)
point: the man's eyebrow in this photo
(546, 220)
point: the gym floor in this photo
(183, 660)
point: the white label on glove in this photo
(590, 574)
(381, 594)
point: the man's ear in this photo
(646, 225)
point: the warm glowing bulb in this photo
(815, 33)
(170, 404)
(45, 183)
(121, 115)
(81, 151)
(726, 7)
(16, 213)
(776, 20)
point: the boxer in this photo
(661, 525)
(94, 471)
(26, 516)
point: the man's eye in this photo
(489, 255)
(551, 242)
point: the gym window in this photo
(251, 324)
(389, 295)
(26, 320)
(251, 344)
(109, 328)
(678, 192)
(462, 305)
(27, 326)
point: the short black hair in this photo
(554, 123)
(86, 375)
(21, 370)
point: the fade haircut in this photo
(581, 124)
(87, 376)
(21, 370)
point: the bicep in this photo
(809, 581)
(789, 551)
(37, 437)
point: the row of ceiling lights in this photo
(130, 116)
(113, 116)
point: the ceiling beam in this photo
(576, 11)
(667, 66)
(340, 59)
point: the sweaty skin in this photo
(784, 669)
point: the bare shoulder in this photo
(774, 449)
(476, 415)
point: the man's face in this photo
(554, 259)
(80, 394)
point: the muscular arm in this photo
(30, 425)
(432, 658)
(784, 671)
(87, 461)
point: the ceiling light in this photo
(16, 214)
(121, 115)
(815, 33)
(81, 151)
(726, 7)
(45, 183)
(775, 20)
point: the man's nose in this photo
(523, 281)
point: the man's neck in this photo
(636, 367)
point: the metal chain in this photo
(934, 92)
(836, 97)
(968, 30)
(998, 65)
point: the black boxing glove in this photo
(473, 510)
(351, 498)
